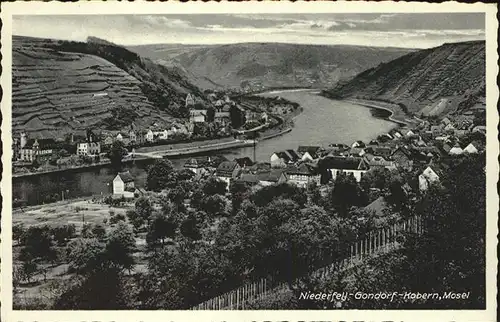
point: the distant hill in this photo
(61, 86)
(448, 78)
(269, 64)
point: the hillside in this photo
(449, 78)
(60, 86)
(270, 64)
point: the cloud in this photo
(386, 29)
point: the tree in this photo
(185, 175)
(345, 194)
(177, 196)
(210, 114)
(214, 204)
(161, 227)
(237, 117)
(28, 269)
(189, 228)
(214, 186)
(99, 232)
(116, 154)
(18, 231)
(38, 244)
(239, 192)
(120, 247)
(143, 209)
(63, 233)
(136, 220)
(161, 175)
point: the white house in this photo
(189, 100)
(283, 158)
(471, 148)
(309, 153)
(123, 185)
(449, 127)
(456, 150)
(426, 178)
(197, 116)
(303, 175)
(150, 136)
(227, 171)
(90, 147)
(358, 144)
(119, 137)
(161, 135)
(348, 165)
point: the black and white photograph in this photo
(286, 161)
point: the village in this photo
(217, 187)
(224, 119)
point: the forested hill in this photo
(269, 64)
(448, 78)
(61, 86)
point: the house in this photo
(283, 158)
(358, 144)
(397, 135)
(436, 129)
(132, 136)
(446, 148)
(427, 177)
(119, 137)
(309, 153)
(445, 121)
(471, 148)
(123, 185)
(197, 116)
(303, 174)
(348, 165)
(456, 150)
(274, 176)
(479, 128)
(108, 141)
(402, 158)
(244, 162)
(356, 152)
(90, 147)
(219, 103)
(197, 165)
(227, 171)
(374, 162)
(264, 117)
(160, 135)
(189, 100)
(149, 136)
(37, 148)
(16, 149)
(449, 127)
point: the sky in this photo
(411, 30)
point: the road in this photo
(195, 150)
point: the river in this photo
(322, 122)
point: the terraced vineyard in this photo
(431, 81)
(56, 91)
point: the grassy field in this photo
(42, 287)
(65, 213)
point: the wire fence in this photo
(377, 242)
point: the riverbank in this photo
(235, 144)
(393, 116)
(75, 168)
